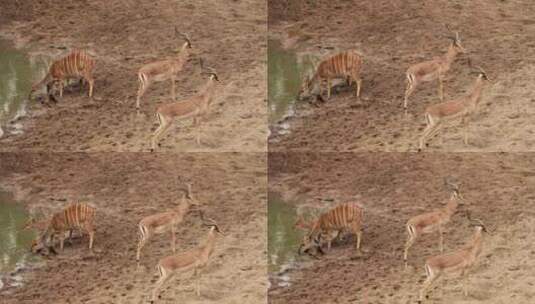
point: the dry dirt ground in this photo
(392, 35)
(123, 35)
(392, 187)
(125, 187)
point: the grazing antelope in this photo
(345, 65)
(163, 70)
(196, 106)
(307, 226)
(348, 216)
(433, 221)
(195, 259)
(461, 261)
(165, 221)
(433, 69)
(78, 216)
(78, 64)
(463, 107)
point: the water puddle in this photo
(17, 73)
(14, 242)
(285, 70)
(283, 239)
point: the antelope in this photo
(433, 69)
(78, 216)
(463, 107)
(163, 70)
(196, 106)
(195, 259)
(461, 260)
(345, 65)
(433, 221)
(165, 221)
(78, 64)
(304, 225)
(348, 216)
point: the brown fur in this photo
(79, 216)
(461, 260)
(432, 70)
(437, 114)
(195, 106)
(345, 65)
(78, 64)
(348, 216)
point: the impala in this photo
(433, 69)
(433, 221)
(195, 259)
(438, 114)
(163, 70)
(196, 107)
(461, 261)
(165, 221)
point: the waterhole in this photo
(285, 71)
(283, 238)
(14, 242)
(17, 73)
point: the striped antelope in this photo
(433, 69)
(165, 221)
(196, 106)
(461, 261)
(345, 65)
(433, 221)
(79, 216)
(348, 216)
(302, 224)
(78, 64)
(436, 115)
(163, 70)
(195, 259)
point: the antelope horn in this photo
(210, 221)
(449, 183)
(188, 191)
(481, 70)
(479, 222)
(183, 35)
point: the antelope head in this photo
(183, 36)
(480, 73)
(477, 223)
(454, 188)
(456, 41)
(208, 222)
(308, 243)
(209, 71)
(37, 245)
(188, 202)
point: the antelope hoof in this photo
(151, 150)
